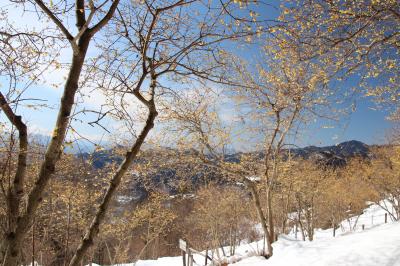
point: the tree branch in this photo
(59, 24)
(17, 187)
(105, 19)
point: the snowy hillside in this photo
(378, 244)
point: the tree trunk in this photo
(93, 230)
(310, 227)
(303, 236)
(261, 216)
(16, 187)
(270, 216)
(12, 242)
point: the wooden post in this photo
(205, 261)
(183, 257)
(363, 227)
(263, 251)
(184, 249)
(385, 217)
(189, 257)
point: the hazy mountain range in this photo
(184, 177)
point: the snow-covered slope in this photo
(378, 244)
(375, 246)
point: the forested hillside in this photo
(132, 130)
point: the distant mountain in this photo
(74, 147)
(341, 151)
(336, 155)
(345, 149)
(100, 158)
(174, 176)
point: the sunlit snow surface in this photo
(377, 245)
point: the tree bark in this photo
(11, 245)
(11, 242)
(270, 217)
(16, 188)
(261, 215)
(299, 219)
(93, 230)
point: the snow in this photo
(376, 245)
(165, 261)
(253, 178)
(124, 199)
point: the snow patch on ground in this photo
(378, 244)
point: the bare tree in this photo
(148, 47)
(155, 43)
(79, 43)
(275, 97)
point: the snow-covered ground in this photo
(375, 246)
(378, 244)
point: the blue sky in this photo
(365, 124)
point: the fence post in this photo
(205, 262)
(188, 256)
(183, 257)
(363, 227)
(191, 260)
(385, 217)
(184, 249)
